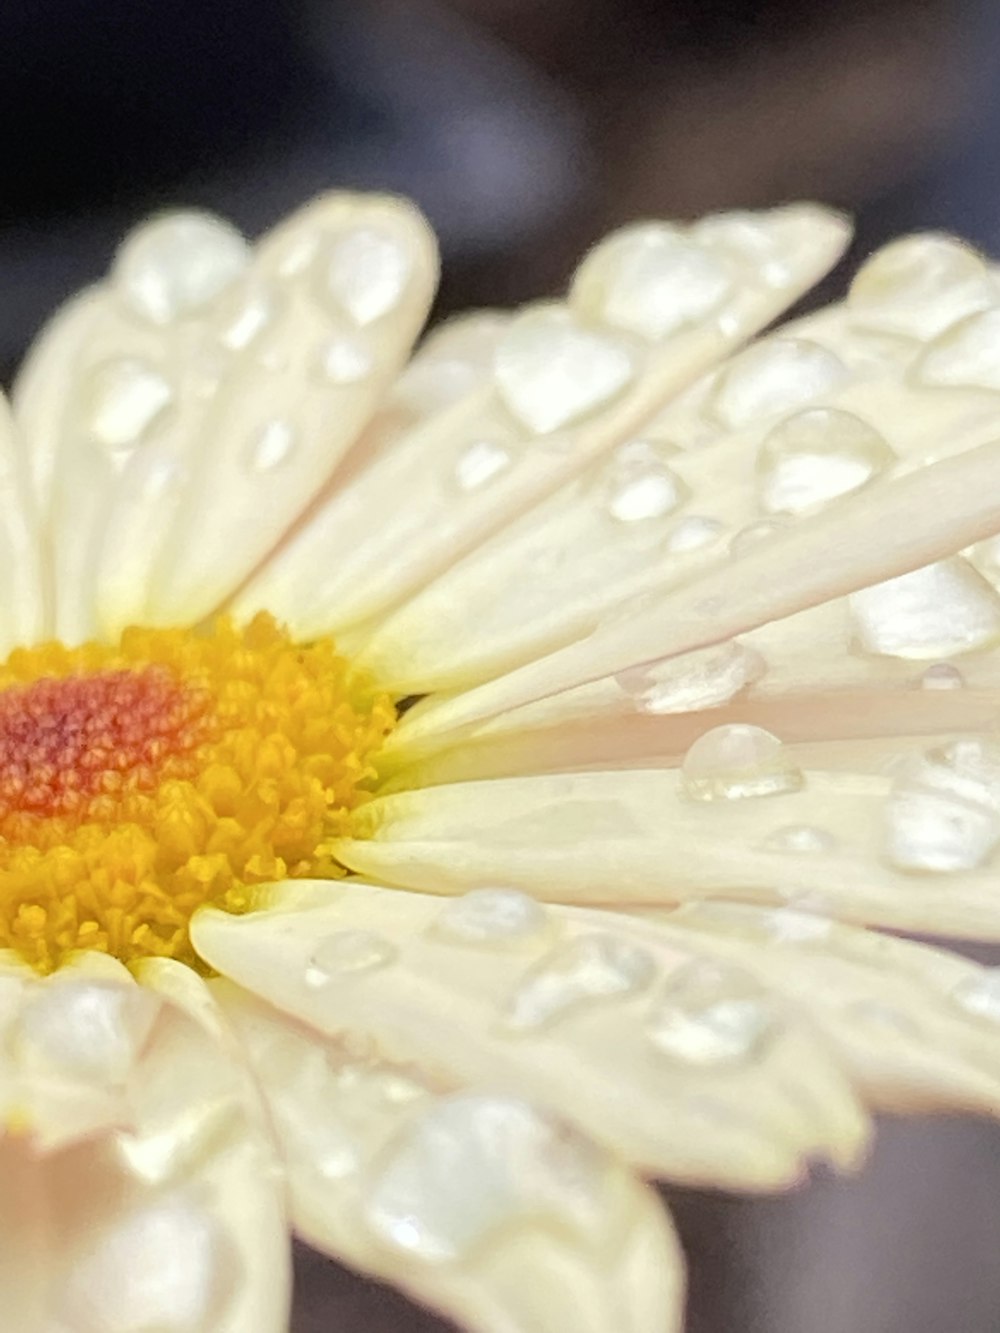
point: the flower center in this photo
(142, 779)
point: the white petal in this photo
(568, 1015)
(23, 610)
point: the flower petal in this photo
(202, 384)
(569, 382)
(548, 1004)
(139, 1184)
(476, 1203)
(22, 607)
(907, 854)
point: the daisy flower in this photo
(437, 795)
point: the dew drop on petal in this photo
(815, 456)
(693, 533)
(755, 533)
(479, 462)
(167, 1266)
(943, 811)
(934, 612)
(87, 1031)
(476, 1164)
(123, 401)
(919, 285)
(942, 676)
(245, 315)
(705, 678)
(788, 925)
(980, 994)
(346, 952)
(650, 280)
(456, 359)
(176, 265)
(584, 970)
(635, 484)
(490, 917)
(273, 445)
(345, 360)
(967, 355)
(771, 377)
(552, 371)
(710, 1016)
(750, 241)
(800, 839)
(738, 761)
(364, 273)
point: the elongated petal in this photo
(139, 1185)
(186, 412)
(569, 381)
(559, 1008)
(911, 852)
(475, 1203)
(23, 603)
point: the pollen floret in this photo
(140, 780)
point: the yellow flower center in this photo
(175, 768)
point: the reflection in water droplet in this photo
(737, 761)
(365, 273)
(710, 1015)
(966, 355)
(479, 462)
(938, 611)
(273, 446)
(348, 951)
(345, 360)
(800, 838)
(979, 994)
(692, 533)
(773, 376)
(635, 484)
(942, 676)
(586, 969)
(815, 456)
(175, 265)
(490, 916)
(702, 679)
(919, 285)
(124, 400)
(943, 812)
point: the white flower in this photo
(698, 653)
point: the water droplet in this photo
(737, 761)
(919, 285)
(491, 916)
(702, 679)
(365, 273)
(586, 969)
(938, 611)
(967, 355)
(943, 812)
(177, 264)
(651, 280)
(167, 1265)
(816, 455)
(635, 483)
(454, 360)
(479, 462)
(155, 478)
(749, 240)
(87, 1031)
(755, 533)
(774, 376)
(345, 360)
(552, 371)
(693, 533)
(125, 399)
(246, 316)
(942, 676)
(800, 839)
(273, 445)
(710, 1015)
(787, 925)
(524, 1166)
(979, 994)
(348, 951)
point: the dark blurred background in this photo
(525, 129)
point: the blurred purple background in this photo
(526, 128)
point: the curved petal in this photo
(139, 1184)
(476, 1204)
(23, 605)
(910, 852)
(184, 413)
(559, 1007)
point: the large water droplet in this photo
(522, 1165)
(816, 455)
(635, 483)
(124, 400)
(580, 972)
(919, 285)
(273, 445)
(177, 264)
(738, 761)
(552, 371)
(491, 917)
(479, 462)
(771, 377)
(710, 1015)
(348, 951)
(651, 280)
(938, 611)
(943, 812)
(702, 679)
(966, 355)
(365, 272)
